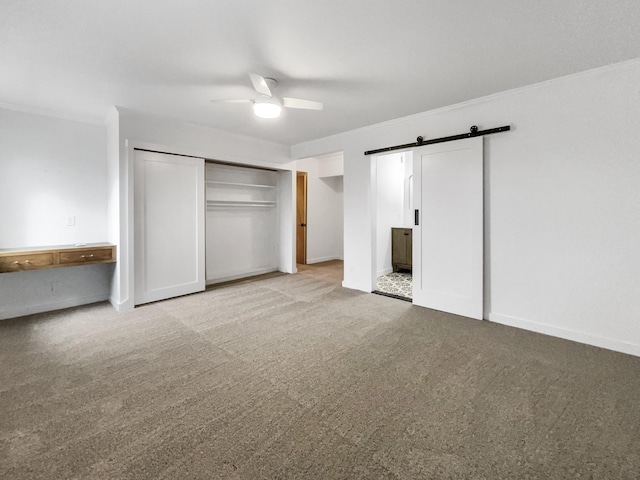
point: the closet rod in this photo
(240, 202)
(243, 205)
(209, 160)
(420, 141)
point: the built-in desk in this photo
(36, 258)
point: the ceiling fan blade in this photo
(238, 100)
(260, 84)
(299, 103)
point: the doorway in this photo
(394, 222)
(319, 209)
(445, 218)
(301, 218)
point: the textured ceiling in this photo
(367, 60)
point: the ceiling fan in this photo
(266, 104)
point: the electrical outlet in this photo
(71, 221)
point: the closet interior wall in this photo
(241, 221)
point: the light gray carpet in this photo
(295, 377)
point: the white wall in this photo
(287, 221)
(325, 232)
(51, 169)
(114, 202)
(390, 206)
(562, 203)
(331, 165)
(171, 136)
(408, 216)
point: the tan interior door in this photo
(301, 217)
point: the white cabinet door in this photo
(169, 226)
(448, 242)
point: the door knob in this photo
(303, 224)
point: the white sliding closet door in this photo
(448, 242)
(169, 226)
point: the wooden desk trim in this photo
(13, 260)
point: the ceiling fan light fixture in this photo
(267, 108)
(266, 105)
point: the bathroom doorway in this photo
(394, 224)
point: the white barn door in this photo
(448, 241)
(169, 227)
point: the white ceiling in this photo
(367, 60)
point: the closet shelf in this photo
(233, 184)
(240, 203)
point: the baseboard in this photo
(213, 281)
(121, 306)
(384, 271)
(49, 307)
(351, 286)
(322, 259)
(573, 335)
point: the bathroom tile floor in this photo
(396, 284)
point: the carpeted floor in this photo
(294, 376)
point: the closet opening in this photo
(241, 221)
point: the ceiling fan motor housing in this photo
(271, 82)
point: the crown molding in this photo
(594, 72)
(52, 113)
